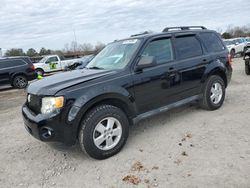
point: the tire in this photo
(232, 53)
(40, 72)
(212, 103)
(20, 81)
(95, 125)
(247, 70)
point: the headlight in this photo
(50, 104)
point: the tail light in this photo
(229, 58)
(33, 67)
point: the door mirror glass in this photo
(146, 62)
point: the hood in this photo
(52, 84)
(229, 46)
(37, 64)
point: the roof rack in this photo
(144, 33)
(183, 28)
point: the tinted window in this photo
(11, 63)
(161, 49)
(187, 46)
(211, 42)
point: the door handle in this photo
(171, 72)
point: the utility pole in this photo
(75, 40)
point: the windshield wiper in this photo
(97, 68)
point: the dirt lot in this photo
(187, 147)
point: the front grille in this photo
(34, 103)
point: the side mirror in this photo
(146, 62)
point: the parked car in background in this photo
(17, 71)
(248, 40)
(231, 46)
(129, 80)
(52, 63)
(247, 59)
(235, 46)
(82, 62)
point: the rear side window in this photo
(161, 49)
(187, 46)
(212, 42)
(11, 63)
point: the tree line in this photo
(73, 48)
(237, 31)
(87, 48)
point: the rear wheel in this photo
(247, 70)
(20, 81)
(40, 72)
(104, 131)
(232, 53)
(213, 93)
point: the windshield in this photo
(115, 55)
(43, 60)
(227, 42)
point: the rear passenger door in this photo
(4, 71)
(190, 63)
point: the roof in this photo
(170, 30)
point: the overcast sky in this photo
(50, 23)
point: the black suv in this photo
(127, 81)
(17, 71)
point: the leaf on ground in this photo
(155, 168)
(137, 167)
(132, 179)
(183, 139)
(146, 181)
(189, 135)
(184, 153)
(178, 161)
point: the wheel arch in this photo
(115, 99)
(17, 74)
(219, 72)
(40, 69)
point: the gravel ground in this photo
(186, 147)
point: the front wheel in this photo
(40, 72)
(104, 131)
(247, 70)
(20, 82)
(213, 93)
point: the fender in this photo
(95, 95)
(215, 67)
(13, 74)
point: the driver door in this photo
(155, 86)
(52, 64)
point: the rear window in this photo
(212, 42)
(11, 63)
(187, 47)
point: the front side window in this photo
(115, 55)
(52, 59)
(187, 47)
(211, 42)
(11, 63)
(161, 49)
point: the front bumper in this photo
(32, 76)
(49, 128)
